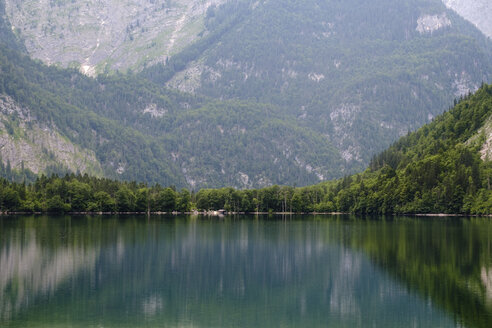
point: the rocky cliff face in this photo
(106, 34)
(25, 143)
(479, 12)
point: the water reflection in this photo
(199, 272)
(486, 276)
(442, 259)
(28, 270)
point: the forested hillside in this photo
(362, 73)
(441, 168)
(444, 167)
(123, 127)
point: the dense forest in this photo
(436, 169)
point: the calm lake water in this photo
(299, 271)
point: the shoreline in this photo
(223, 214)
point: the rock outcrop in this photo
(25, 143)
(479, 12)
(106, 34)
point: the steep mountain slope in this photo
(109, 34)
(129, 128)
(476, 11)
(361, 73)
(6, 36)
(44, 94)
(26, 143)
(139, 131)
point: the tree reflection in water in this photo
(300, 271)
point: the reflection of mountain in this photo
(486, 275)
(200, 273)
(28, 270)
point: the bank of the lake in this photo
(223, 214)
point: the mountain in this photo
(360, 73)
(268, 92)
(444, 167)
(136, 130)
(476, 11)
(58, 120)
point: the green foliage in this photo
(56, 204)
(437, 169)
(183, 202)
(125, 199)
(10, 199)
(103, 202)
(166, 200)
(81, 193)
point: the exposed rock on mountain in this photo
(25, 143)
(114, 34)
(479, 12)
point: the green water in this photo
(300, 271)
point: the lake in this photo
(245, 271)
